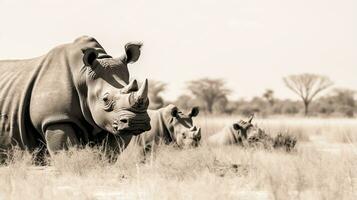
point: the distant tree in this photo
(289, 107)
(208, 91)
(261, 106)
(340, 101)
(345, 96)
(269, 96)
(246, 108)
(307, 86)
(221, 106)
(258, 106)
(185, 102)
(155, 90)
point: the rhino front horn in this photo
(141, 96)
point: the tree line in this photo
(212, 97)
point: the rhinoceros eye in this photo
(105, 97)
(108, 103)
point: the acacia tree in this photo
(208, 91)
(185, 102)
(307, 86)
(269, 96)
(155, 90)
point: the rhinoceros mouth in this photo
(131, 123)
(132, 129)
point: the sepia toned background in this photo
(251, 45)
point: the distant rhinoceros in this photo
(70, 96)
(238, 133)
(246, 134)
(170, 126)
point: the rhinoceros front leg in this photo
(60, 137)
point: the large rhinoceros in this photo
(169, 126)
(70, 96)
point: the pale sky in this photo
(251, 44)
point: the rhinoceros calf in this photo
(237, 133)
(170, 126)
(70, 96)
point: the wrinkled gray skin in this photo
(170, 126)
(73, 95)
(236, 134)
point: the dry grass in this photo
(314, 171)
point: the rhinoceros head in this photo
(116, 105)
(246, 130)
(181, 126)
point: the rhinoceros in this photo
(170, 126)
(70, 96)
(246, 134)
(236, 133)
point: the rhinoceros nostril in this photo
(124, 121)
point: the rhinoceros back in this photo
(16, 82)
(37, 93)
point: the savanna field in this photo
(323, 166)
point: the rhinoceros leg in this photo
(60, 137)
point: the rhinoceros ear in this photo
(194, 112)
(236, 126)
(90, 55)
(132, 52)
(174, 112)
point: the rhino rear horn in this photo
(197, 134)
(251, 118)
(132, 87)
